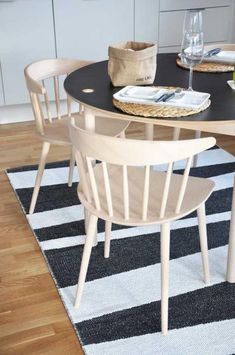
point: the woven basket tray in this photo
(208, 67)
(156, 111)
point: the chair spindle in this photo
(69, 105)
(83, 175)
(93, 182)
(125, 192)
(183, 184)
(166, 190)
(146, 193)
(46, 100)
(107, 189)
(57, 96)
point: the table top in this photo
(221, 110)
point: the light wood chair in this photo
(42, 78)
(124, 189)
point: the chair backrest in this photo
(128, 152)
(43, 75)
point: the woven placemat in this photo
(208, 67)
(156, 110)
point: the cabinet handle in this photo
(194, 8)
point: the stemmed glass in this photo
(192, 46)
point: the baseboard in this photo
(16, 113)
(24, 113)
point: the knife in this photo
(212, 52)
(162, 97)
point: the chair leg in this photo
(108, 228)
(165, 251)
(85, 258)
(149, 131)
(201, 214)
(71, 168)
(86, 219)
(44, 153)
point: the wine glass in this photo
(192, 49)
(193, 21)
(192, 46)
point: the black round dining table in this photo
(92, 87)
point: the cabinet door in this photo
(85, 29)
(146, 20)
(1, 88)
(26, 35)
(171, 25)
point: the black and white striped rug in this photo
(120, 310)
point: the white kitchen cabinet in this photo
(85, 28)
(171, 24)
(217, 21)
(146, 20)
(26, 35)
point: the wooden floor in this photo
(32, 317)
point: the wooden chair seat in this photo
(57, 131)
(197, 191)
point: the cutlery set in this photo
(177, 97)
(170, 95)
(212, 52)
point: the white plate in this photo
(147, 95)
(231, 83)
(139, 92)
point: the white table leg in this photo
(231, 246)
(90, 126)
(89, 119)
(176, 134)
(149, 131)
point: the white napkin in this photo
(147, 95)
(227, 57)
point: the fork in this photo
(166, 97)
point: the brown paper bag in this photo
(132, 63)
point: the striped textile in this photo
(120, 309)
